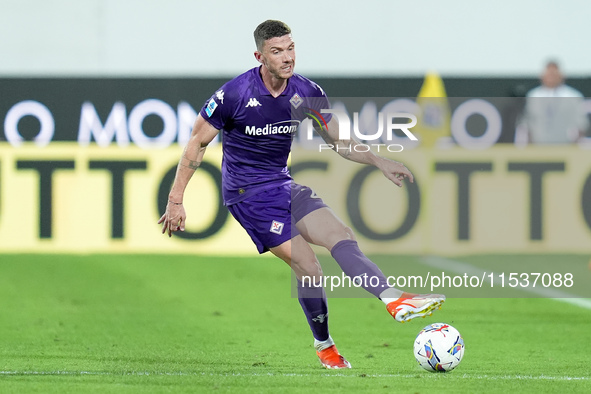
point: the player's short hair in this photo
(269, 29)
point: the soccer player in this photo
(254, 113)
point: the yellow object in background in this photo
(434, 118)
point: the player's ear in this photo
(259, 56)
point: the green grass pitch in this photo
(155, 323)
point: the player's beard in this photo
(289, 72)
(281, 73)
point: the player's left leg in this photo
(322, 227)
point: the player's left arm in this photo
(393, 170)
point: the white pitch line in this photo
(306, 375)
(464, 268)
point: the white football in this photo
(439, 348)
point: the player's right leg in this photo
(304, 263)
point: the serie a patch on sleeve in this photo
(211, 106)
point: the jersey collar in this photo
(263, 91)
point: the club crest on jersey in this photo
(220, 95)
(276, 227)
(252, 102)
(296, 100)
(211, 106)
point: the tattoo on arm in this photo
(192, 164)
(344, 147)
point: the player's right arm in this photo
(202, 134)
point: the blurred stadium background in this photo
(97, 98)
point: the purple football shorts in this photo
(267, 216)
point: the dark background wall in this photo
(65, 96)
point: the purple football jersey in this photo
(257, 130)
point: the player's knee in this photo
(348, 233)
(313, 269)
(341, 234)
(330, 237)
(309, 268)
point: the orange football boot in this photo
(331, 359)
(410, 306)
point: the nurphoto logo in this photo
(386, 126)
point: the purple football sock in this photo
(313, 302)
(354, 263)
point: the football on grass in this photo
(439, 348)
